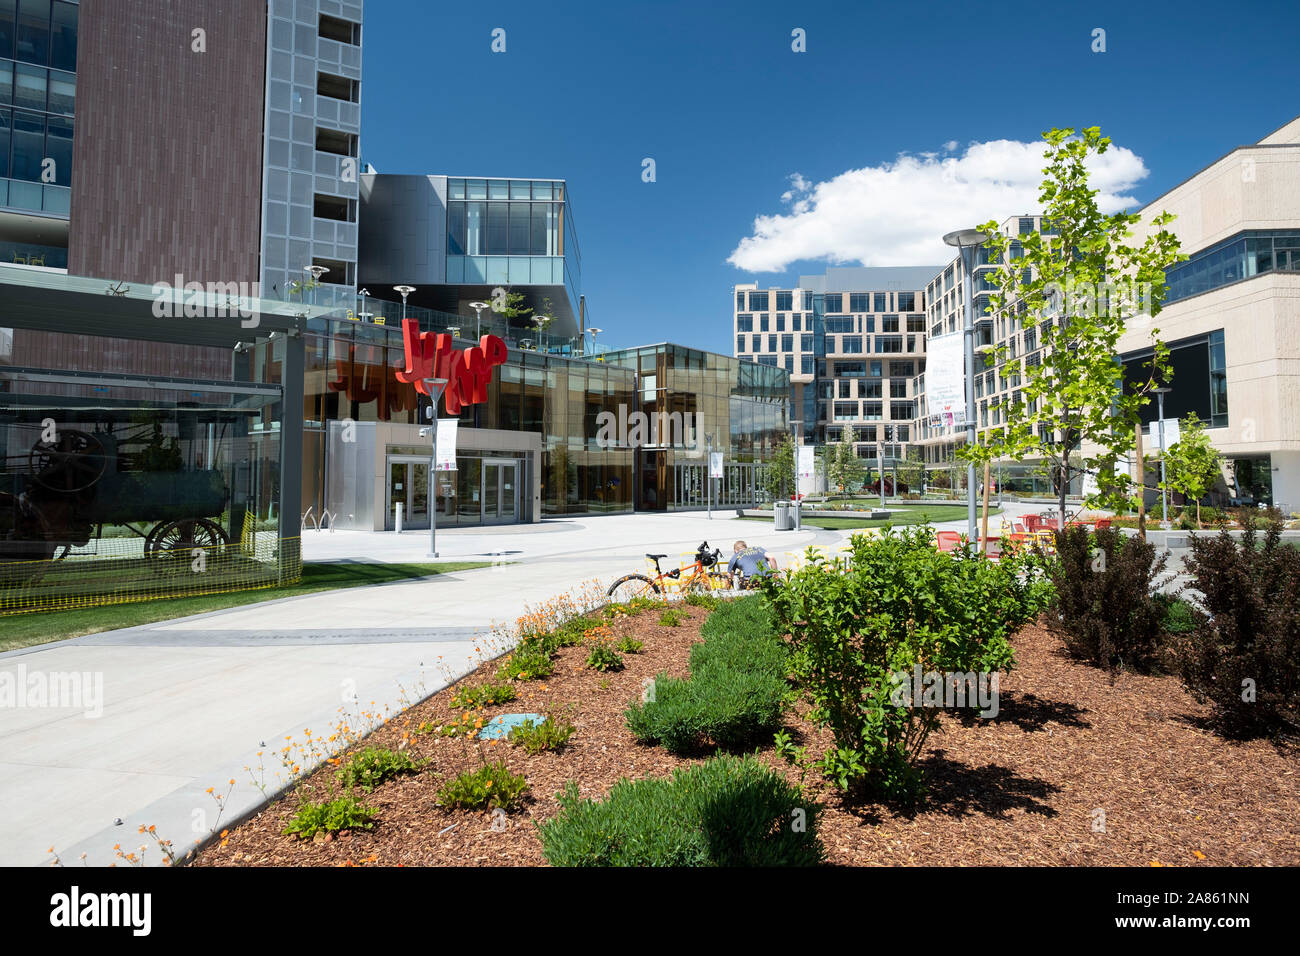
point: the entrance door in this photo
(408, 483)
(500, 490)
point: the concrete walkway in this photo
(187, 704)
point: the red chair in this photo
(949, 541)
(1018, 527)
(1102, 523)
(1033, 523)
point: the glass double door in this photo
(500, 490)
(408, 485)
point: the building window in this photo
(902, 369)
(762, 323)
(834, 302)
(767, 360)
(1026, 226)
(872, 389)
(882, 302)
(906, 301)
(889, 343)
(846, 411)
(875, 368)
(787, 343)
(806, 365)
(841, 323)
(898, 388)
(744, 323)
(780, 321)
(758, 302)
(756, 343)
(771, 343)
(859, 302)
(784, 301)
(740, 343)
(889, 323)
(805, 343)
(872, 411)
(916, 323)
(851, 344)
(1218, 381)
(850, 369)
(902, 411)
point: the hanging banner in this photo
(1172, 433)
(807, 461)
(445, 457)
(945, 380)
(715, 464)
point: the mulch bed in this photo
(1025, 788)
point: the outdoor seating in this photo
(1102, 523)
(949, 541)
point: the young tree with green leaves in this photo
(1192, 464)
(780, 473)
(512, 307)
(844, 469)
(1084, 285)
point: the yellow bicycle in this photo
(698, 577)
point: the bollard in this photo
(397, 525)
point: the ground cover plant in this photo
(736, 690)
(727, 811)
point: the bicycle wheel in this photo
(631, 586)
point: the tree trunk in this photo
(1065, 486)
(1198, 514)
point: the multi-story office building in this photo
(853, 341)
(1231, 319)
(457, 239)
(216, 140)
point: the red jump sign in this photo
(430, 355)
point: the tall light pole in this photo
(541, 321)
(594, 332)
(478, 308)
(1160, 414)
(315, 272)
(967, 242)
(404, 291)
(880, 461)
(435, 388)
(708, 473)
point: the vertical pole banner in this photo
(945, 380)
(807, 461)
(715, 464)
(446, 455)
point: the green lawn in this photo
(24, 630)
(915, 513)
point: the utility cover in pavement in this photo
(501, 725)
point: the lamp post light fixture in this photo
(1164, 491)
(435, 387)
(594, 332)
(315, 272)
(478, 308)
(541, 321)
(404, 291)
(967, 241)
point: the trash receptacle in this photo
(781, 512)
(796, 514)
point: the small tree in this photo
(1192, 464)
(513, 307)
(780, 472)
(844, 469)
(1084, 285)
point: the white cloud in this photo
(897, 213)
(950, 146)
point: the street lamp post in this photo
(478, 308)
(708, 474)
(594, 332)
(967, 242)
(315, 272)
(1164, 491)
(435, 388)
(404, 291)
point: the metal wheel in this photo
(178, 539)
(631, 586)
(72, 462)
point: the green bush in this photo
(483, 695)
(672, 617)
(603, 657)
(1177, 616)
(491, 785)
(630, 645)
(727, 811)
(1105, 611)
(1243, 655)
(329, 816)
(696, 599)
(550, 734)
(526, 663)
(736, 691)
(372, 766)
(895, 604)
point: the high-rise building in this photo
(216, 140)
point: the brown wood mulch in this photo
(1076, 769)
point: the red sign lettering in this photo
(430, 355)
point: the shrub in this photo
(483, 695)
(727, 811)
(696, 599)
(529, 663)
(1105, 610)
(372, 766)
(630, 645)
(491, 785)
(550, 734)
(672, 617)
(894, 605)
(604, 658)
(736, 692)
(1243, 654)
(467, 726)
(329, 816)
(1178, 617)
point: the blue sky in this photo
(729, 113)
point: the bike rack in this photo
(327, 514)
(308, 514)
